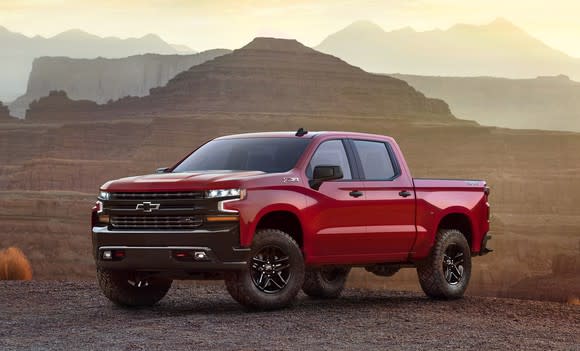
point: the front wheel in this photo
(445, 273)
(129, 290)
(274, 274)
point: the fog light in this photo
(107, 255)
(200, 255)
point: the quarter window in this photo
(375, 160)
(330, 153)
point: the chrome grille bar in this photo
(156, 222)
(158, 196)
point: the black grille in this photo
(156, 222)
(157, 196)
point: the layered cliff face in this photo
(274, 76)
(5, 114)
(60, 106)
(277, 75)
(104, 79)
(19, 51)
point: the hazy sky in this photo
(204, 24)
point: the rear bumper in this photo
(194, 251)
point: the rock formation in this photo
(18, 52)
(5, 114)
(103, 79)
(549, 103)
(58, 106)
(270, 76)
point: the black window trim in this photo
(394, 161)
(350, 154)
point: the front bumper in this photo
(159, 251)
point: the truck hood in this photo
(186, 181)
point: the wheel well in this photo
(284, 221)
(460, 222)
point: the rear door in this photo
(389, 207)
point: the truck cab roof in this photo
(308, 135)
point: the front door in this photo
(335, 217)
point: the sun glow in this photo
(231, 23)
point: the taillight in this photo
(486, 190)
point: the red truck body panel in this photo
(381, 226)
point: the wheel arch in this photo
(459, 221)
(285, 220)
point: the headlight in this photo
(212, 194)
(103, 195)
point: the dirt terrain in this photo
(73, 315)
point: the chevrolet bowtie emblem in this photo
(147, 207)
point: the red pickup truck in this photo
(273, 213)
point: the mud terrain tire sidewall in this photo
(242, 288)
(115, 286)
(431, 273)
(317, 285)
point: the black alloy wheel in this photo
(453, 264)
(274, 273)
(446, 272)
(270, 269)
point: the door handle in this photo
(405, 193)
(356, 193)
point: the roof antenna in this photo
(301, 132)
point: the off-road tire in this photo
(325, 282)
(241, 284)
(432, 273)
(117, 288)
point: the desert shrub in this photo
(14, 265)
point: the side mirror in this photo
(323, 174)
(162, 170)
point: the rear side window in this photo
(330, 153)
(375, 160)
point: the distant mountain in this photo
(495, 49)
(104, 79)
(549, 103)
(17, 52)
(183, 49)
(266, 76)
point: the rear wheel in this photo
(325, 282)
(274, 274)
(445, 273)
(130, 290)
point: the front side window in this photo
(270, 155)
(375, 160)
(330, 153)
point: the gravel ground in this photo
(74, 315)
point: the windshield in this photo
(270, 155)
